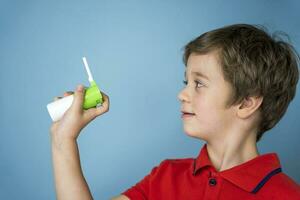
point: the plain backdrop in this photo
(134, 49)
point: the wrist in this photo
(59, 143)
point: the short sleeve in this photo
(140, 191)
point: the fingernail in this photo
(80, 88)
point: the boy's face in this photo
(206, 96)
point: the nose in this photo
(182, 95)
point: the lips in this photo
(188, 113)
(185, 113)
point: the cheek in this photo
(211, 113)
(208, 116)
(203, 104)
(208, 109)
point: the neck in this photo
(232, 151)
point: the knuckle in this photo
(99, 112)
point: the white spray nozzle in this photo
(87, 69)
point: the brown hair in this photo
(255, 64)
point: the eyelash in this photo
(197, 82)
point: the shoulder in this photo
(283, 187)
(160, 176)
(283, 182)
(177, 163)
(173, 166)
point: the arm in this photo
(69, 179)
(68, 174)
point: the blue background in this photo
(134, 49)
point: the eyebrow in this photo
(198, 74)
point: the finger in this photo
(92, 113)
(105, 102)
(68, 93)
(105, 105)
(78, 98)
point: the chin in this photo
(196, 134)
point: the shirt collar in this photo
(250, 176)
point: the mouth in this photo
(187, 114)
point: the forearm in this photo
(69, 179)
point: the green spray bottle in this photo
(92, 98)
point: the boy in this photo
(239, 83)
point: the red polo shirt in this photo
(194, 179)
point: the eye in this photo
(197, 83)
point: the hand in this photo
(76, 118)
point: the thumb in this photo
(78, 98)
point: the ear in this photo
(248, 106)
